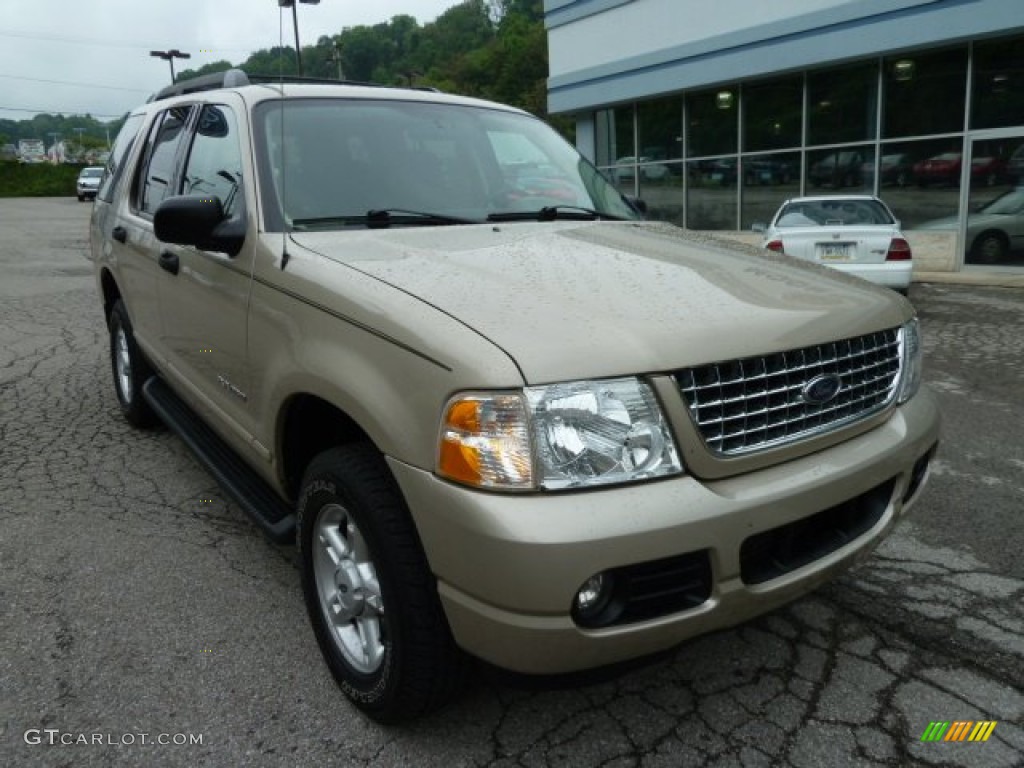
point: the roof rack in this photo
(235, 78)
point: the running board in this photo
(251, 492)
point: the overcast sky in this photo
(76, 57)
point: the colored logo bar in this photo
(959, 730)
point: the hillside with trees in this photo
(493, 49)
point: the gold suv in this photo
(500, 412)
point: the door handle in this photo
(169, 262)
(119, 233)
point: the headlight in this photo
(911, 360)
(571, 435)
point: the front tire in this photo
(369, 592)
(129, 368)
(989, 248)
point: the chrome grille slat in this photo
(751, 404)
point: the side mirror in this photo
(198, 221)
(759, 226)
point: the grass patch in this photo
(38, 179)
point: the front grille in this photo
(741, 406)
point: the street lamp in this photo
(295, 23)
(169, 57)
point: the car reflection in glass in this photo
(995, 230)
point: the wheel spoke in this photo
(334, 544)
(369, 640)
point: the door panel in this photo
(204, 305)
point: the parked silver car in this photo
(88, 182)
(994, 230)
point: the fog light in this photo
(593, 600)
(590, 593)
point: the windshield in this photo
(330, 163)
(833, 212)
(91, 173)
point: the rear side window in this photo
(157, 176)
(122, 146)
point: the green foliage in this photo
(37, 180)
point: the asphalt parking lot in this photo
(145, 621)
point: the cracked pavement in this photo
(134, 599)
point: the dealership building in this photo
(714, 113)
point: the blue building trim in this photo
(756, 53)
(559, 12)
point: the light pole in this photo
(54, 154)
(295, 23)
(169, 57)
(335, 58)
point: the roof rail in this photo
(271, 79)
(230, 78)
(235, 78)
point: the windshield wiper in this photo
(382, 218)
(385, 217)
(553, 212)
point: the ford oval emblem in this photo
(821, 389)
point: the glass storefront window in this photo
(614, 134)
(995, 222)
(772, 114)
(925, 93)
(842, 104)
(932, 197)
(711, 121)
(997, 95)
(660, 129)
(768, 181)
(661, 187)
(846, 169)
(711, 193)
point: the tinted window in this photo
(925, 93)
(660, 129)
(842, 104)
(614, 134)
(711, 122)
(122, 145)
(997, 96)
(214, 167)
(161, 153)
(772, 114)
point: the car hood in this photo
(570, 300)
(974, 220)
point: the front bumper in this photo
(509, 566)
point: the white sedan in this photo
(856, 234)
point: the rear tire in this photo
(369, 591)
(130, 369)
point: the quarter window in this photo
(115, 162)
